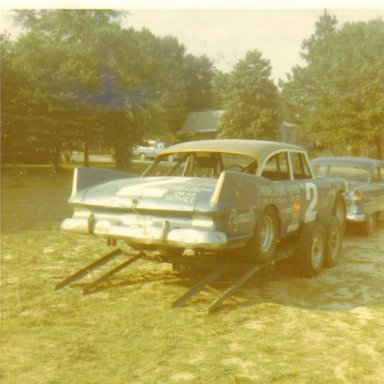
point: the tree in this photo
(12, 131)
(338, 96)
(252, 102)
(77, 77)
(198, 75)
(57, 57)
(220, 88)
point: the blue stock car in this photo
(219, 196)
(365, 187)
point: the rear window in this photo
(201, 164)
(238, 162)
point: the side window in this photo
(276, 168)
(300, 167)
(320, 170)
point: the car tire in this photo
(340, 211)
(367, 228)
(334, 241)
(312, 249)
(142, 157)
(262, 246)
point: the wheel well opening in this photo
(271, 206)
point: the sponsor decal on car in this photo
(236, 218)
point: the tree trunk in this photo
(379, 148)
(56, 157)
(122, 154)
(86, 153)
(122, 142)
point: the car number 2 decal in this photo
(311, 195)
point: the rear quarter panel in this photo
(372, 198)
(244, 197)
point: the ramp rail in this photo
(216, 268)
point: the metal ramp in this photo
(250, 271)
(97, 264)
(216, 267)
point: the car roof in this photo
(258, 149)
(366, 162)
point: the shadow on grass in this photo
(280, 286)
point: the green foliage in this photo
(76, 77)
(338, 97)
(251, 101)
(198, 75)
(220, 88)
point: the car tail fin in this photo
(233, 185)
(89, 177)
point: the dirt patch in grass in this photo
(279, 328)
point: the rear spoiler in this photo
(88, 177)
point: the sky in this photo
(226, 33)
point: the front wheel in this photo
(261, 247)
(312, 247)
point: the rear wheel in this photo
(340, 211)
(261, 247)
(312, 246)
(333, 242)
(368, 227)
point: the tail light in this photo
(356, 195)
(216, 193)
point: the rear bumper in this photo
(356, 218)
(155, 235)
(356, 212)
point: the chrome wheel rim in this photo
(371, 224)
(335, 244)
(340, 213)
(267, 234)
(317, 251)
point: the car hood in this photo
(154, 193)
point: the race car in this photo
(228, 195)
(365, 187)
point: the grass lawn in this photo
(279, 328)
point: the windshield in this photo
(200, 164)
(345, 171)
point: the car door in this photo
(318, 196)
(288, 193)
